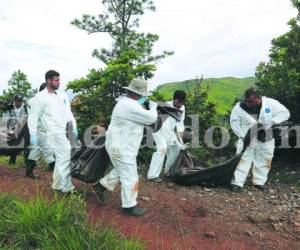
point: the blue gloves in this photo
(33, 140)
(142, 100)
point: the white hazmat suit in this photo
(52, 112)
(42, 147)
(259, 154)
(123, 139)
(166, 144)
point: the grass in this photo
(221, 91)
(57, 224)
(20, 163)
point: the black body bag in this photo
(164, 110)
(89, 163)
(188, 170)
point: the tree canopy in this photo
(18, 84)
(130, 56)
(280, 76)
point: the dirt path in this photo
(190, 218)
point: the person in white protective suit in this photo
(41, 148)
(123, 139)
(168, 140)
(51, 110)
(262, 112)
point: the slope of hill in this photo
(221, 91)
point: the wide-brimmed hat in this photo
(139, 86)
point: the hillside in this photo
(221, 91)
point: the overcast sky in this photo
(215, 38)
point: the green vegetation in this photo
(221, 91)
(58, 224)
(131, 55)
(19, 163)
(279, 77)
(18, 84)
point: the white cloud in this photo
(217, 38)
(39, 36)
(214, 38)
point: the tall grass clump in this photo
(58, 224)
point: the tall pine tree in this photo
(130, 56)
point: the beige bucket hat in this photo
(139, 86)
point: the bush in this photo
(58, 224)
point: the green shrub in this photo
(58, 224)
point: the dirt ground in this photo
(189, 218)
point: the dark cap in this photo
(18, 97)
(179, 95)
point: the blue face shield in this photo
(142, 100)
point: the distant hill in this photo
(221, 91)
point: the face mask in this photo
(142, 100)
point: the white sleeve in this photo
(235, 123)
(71, 116)
(34, 113)
(280, 113)
(180, 125)
(143, 116)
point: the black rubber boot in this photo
(134, 211)
(12, 159)
(99, 192)
(261, 188)
(30, 165)
(156, 180)
(235, 188)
